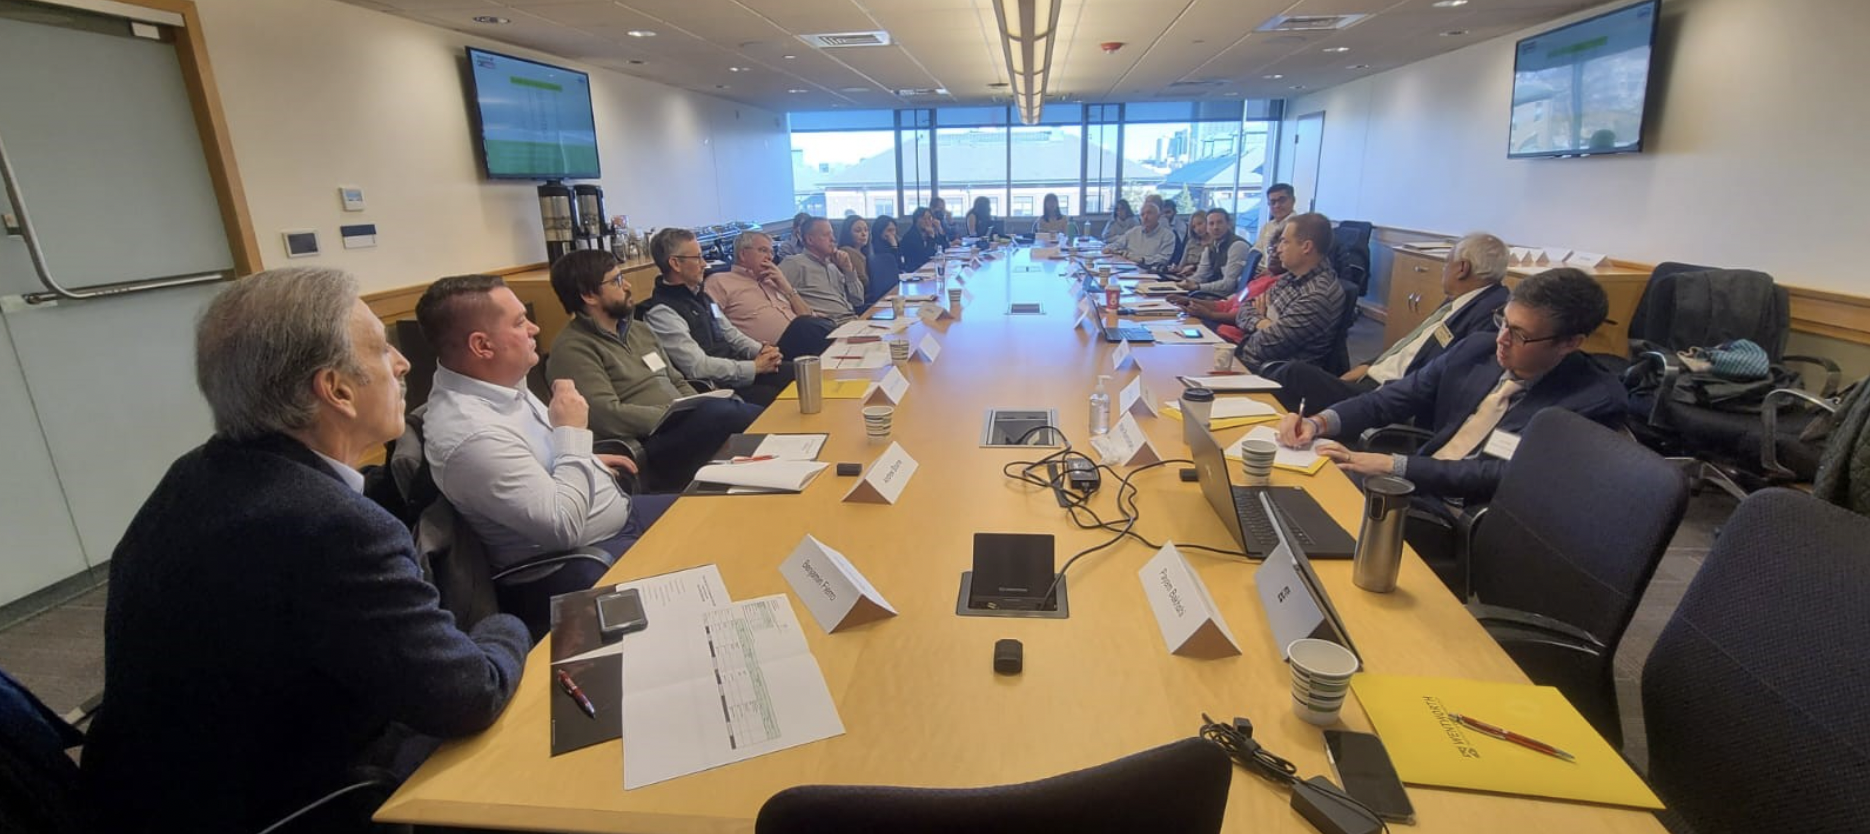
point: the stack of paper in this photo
(1228, 412)
(777, 475)
(1231, 382)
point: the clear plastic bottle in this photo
(1100, 407)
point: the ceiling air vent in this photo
(1198, 82)
(911, 92)
(1311, 22)
(846, 40)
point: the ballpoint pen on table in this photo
(1508, 735)
(571, 688)
(753, 458)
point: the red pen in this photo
(1508, 735)
(753, 459)
(571, 688)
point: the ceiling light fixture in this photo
(1274, 77)
(1454, 33)
(788, 57)
(491, 19)
(796, 90)
(1337, 49)
(1028, 29)
(640, 33)
(1448, 4)
(736, 69)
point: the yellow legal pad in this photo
(835, 389)
(1429, 748)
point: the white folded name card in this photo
(1126, 444)
(1587, 260)
(836, 593)
(1136, 398)
(884, 482)
(1122, 355)
(1084, 312)
(932, 313)
(889, 390)
(1191, 624)
(929, 348)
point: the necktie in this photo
(1482, 421)
(1426, 325)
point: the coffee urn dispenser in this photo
(558, 210)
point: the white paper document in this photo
(1232, 382)
(684, 593)
(859, 327)
(1158, 288)
(1172, 333)
(683, 405)
(791, 446)
(780, 475)
(734, 683)
(844, 356)
(1304, 459)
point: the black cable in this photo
(1236, 740)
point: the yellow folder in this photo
(1429, 748)
(835, 389)
(1174, 413)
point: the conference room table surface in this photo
(920, 702)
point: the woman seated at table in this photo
(1193, 243)
(1122, 219)
(980, 218)
(854, 242)
(924, 242)
(883, 263)
(1051, 219)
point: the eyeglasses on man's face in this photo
(1516, 335)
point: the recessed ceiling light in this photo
(1230, 94)
(1337, 49)
(1454, 33)
(640, 33)
(1274, 77)
(491, 19)
(736, 69)
(1448, 4)
(796, 90)
(853, 89)
(788, 57)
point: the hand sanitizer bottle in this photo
(1100, 408)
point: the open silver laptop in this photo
(1295, 601)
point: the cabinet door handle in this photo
(1421, 269)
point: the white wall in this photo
(1758, 126)
(320, 94)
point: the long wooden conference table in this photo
(920, 702)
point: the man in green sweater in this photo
(627, 378)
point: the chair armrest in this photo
(1832, 374)
(1769, 424)
(327, 799)
(1668, 366)
(550, 559)
(1394, 438)
(1525, 626)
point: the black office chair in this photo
(1743, 437)
(39, 781)
(1178, 788)
(452, 556)
(1754, 696)
(1556, 564)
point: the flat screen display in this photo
(1580, 89)
(535, 119)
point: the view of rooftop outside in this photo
(1088, 162)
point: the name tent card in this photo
(1587, 260)
(1122, 355)
(932, 313)
(1191, 623)
(1084, 312)
(929, 348)
(884, 481)
(1126, 444)
(836, 593)
(1552, 256)
(889, 390)
(1136, 399)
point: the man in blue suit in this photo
(1480, 394)
(1470, 281)
(269, 633)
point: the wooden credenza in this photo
(1415, 292)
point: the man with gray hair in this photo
(268, 624)
(1470, 281)
(756, 297)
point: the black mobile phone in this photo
(621, 613)
(1363, 767)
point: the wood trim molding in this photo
(217, 145)
(399, 303)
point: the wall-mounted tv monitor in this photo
(1579, 89)
(535, 119)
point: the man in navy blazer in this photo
(1478, 395)
(269, 631)
(1470, 283)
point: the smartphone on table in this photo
(621, 613)
(1363, 767)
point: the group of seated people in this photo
(270, 627)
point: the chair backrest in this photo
(1753, 698)
(1178, 788)
(415, 347)
(1350, 252)
(1339, 360)
(1686, 306)
(1574, 533)
(451, 555)
(38, 782)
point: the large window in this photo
(1199, 154)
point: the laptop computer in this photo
(1128, 333)
(1295, 601)
(1246, 517)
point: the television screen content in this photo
(535, 119)
(1580, 89)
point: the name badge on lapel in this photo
(654, 361)
(1443, 335)
(1501, 444)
